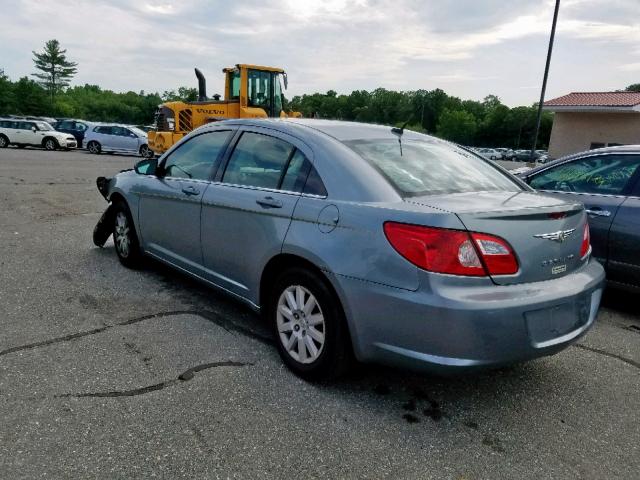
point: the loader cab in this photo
(258, 89)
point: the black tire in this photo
(335, 355)
(94, 147)
(4, 141)
(125, 238)
(146, 152)
(50, 144)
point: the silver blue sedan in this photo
(363, 241)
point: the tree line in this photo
(488, 123)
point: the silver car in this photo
(116, 138)
(362, 240)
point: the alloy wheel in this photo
(3, 142)
(50, 145)
(301, 324)
(121, 234)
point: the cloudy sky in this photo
(469, 48)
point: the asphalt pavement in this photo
(107, 372)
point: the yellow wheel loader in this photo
(250, 91)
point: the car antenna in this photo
(398, 132)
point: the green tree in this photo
(7, 98)
(31, 98)
(458, 126)
(56, 70)
(634, 87)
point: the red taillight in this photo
(585, 248)
(452, 251)
(496, 254)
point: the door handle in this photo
(598, 212)
(190, 190)
(269, 202)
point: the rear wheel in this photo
(125, 238)
(309, 325)
(94, 147)
(4, 141)
(50, 144)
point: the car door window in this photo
(195, 158)
(26, 125)
(121, 132)
(603, 174)
(258, 161)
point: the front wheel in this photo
(309, 325)
(125, 238)
(4, 141)
(50, 144)
(94, 147)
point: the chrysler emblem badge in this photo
(559, 236)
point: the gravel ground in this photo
(111, 373)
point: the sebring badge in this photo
(559, 236)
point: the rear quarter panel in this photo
(356, 246)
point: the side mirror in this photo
(148, 166)
(33, 129)
(133, 135)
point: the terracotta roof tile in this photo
(596, 99)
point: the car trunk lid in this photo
(529, 221)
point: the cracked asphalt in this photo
(111, 373)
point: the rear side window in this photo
(258, 161)
(293, 179)
(426, 168)
(314, 185)
(600, 174)
(104, 130)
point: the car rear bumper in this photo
(452, 323)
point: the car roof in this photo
(338, 129)
(587, 153)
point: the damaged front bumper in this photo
(103, 229)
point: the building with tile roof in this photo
(586, 120)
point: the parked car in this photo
(607, 181)
(434, 258)
(507, 153)
(38, 134)
(116, 138)
(77, 128)
(524, 156)
(490, 153)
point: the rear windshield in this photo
(432, 168)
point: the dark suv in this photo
(77, 128)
